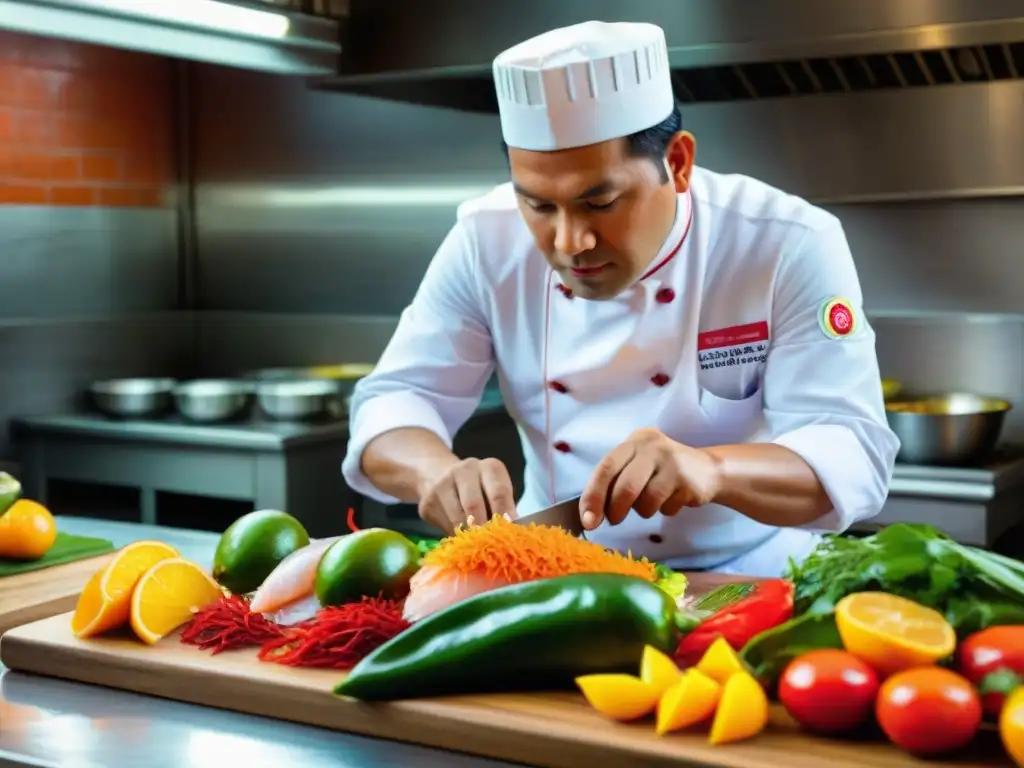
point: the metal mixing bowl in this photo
(300, 400)
(953, 429)
(132, 398)
(213, 400)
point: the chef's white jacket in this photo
(731, 337)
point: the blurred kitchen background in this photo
(185, 201)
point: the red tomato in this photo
(828, 691)
(995, 649)
(928, 710)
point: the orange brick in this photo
(73, 196)
(151, 198)
(101, 168)
(35, 129)
(18, 194)
(145, 168)
(118, 196)
(78, 121)
(37, 88)
(44, 167)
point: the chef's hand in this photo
(649, 473)
(469, 492)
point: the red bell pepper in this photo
(768, 604)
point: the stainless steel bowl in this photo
(213, 400)
(951, 429)
(132, 398)
(300, 400)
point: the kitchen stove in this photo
(256, 462)
(975, 505)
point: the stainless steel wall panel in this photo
(948, 256)
(954, 352)
(45, 365)
(233, 343)
(58, 262)
(951, 142)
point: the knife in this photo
(564, 514)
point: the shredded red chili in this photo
(229, 624)
(351, 519)
(339, 637)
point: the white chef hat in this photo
(583, 84)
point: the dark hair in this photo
(651, 142)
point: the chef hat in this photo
(583, 84)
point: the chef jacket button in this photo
(562, 446)
(558, 387)
(660, 379)
(655, 538)
(664, 296)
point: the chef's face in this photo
(598, 213)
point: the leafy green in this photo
(972, 587)
(768, 654)
(674, 584)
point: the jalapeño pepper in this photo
(535, 635)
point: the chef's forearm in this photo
(768, 483)
(404, 463)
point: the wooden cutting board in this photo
(28, 597)
(550, 730)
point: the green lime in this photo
(369, 563)
(253, 546)
(10, 491)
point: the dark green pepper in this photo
(530, 636)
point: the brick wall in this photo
(83, 125)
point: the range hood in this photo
(254, 36)
(440, 51)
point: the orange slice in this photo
(168, 595)
(619, 697)
(893, 633)
(105, 603)
(742, 710)
(720, 661)
(690, 701)
(658, 670)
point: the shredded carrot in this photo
(500, 549)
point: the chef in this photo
(686, 349)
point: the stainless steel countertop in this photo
(48, 722)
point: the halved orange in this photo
(893, 633)
(168, 595)
(105, 603)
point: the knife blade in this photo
(565, 514)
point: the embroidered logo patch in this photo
(836, 318)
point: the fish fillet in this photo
(434, 588)
(293, 578)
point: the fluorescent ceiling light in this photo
(211, 14)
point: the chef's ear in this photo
(679, 155)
